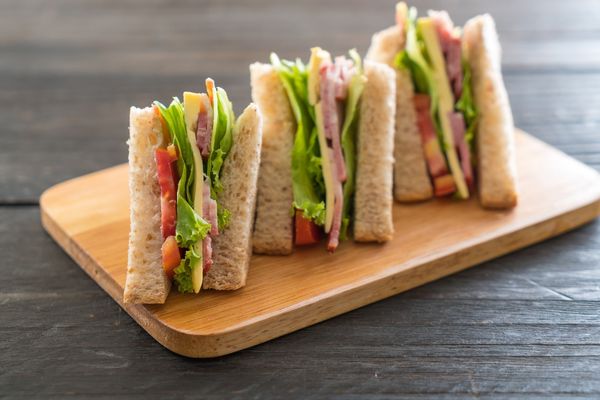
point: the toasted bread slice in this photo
(273, 230)
(375, 144)
(232, 248)
(411, 179)
(496, 160)
(146, 280)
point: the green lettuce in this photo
(183, 273)
(190, 227)
(466, 105)
(221, 140)
(307, 173)
(355, 89)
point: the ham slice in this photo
(209, 209)
(331, 117)
(204, 128)
(451, 47)
(207, 254)
(338, 205)
(209, 213)
(457, 121)
(335, 79)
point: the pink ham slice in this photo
(338, 206)
(451, 47)
(204, 129)
(335, 78)
(209, 213)
(331, 117)
(207, 254)
(209, 209)
(457, 122)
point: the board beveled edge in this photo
(329, 304)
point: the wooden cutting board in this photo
(88, 217)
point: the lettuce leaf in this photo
(183, 273)
(223, 217)
(190, 227)
(466, 105)
(222, 139)
(355, 89)
(307, 174)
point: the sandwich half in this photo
(326, 164)
(454, 126)
(192, 182)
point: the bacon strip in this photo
(204, 128)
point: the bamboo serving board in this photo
(89, 218)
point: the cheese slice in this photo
(191, 108)
(429, 33)
(326, 166)
(317, 57)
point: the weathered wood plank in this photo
(61, 334)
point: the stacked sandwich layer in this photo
(187, 153)
(312, 115)
(451, 94)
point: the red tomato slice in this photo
(170, 256)
(168, 192)
(307, 232)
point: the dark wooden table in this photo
(523, 326)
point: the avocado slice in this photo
(317, 57)
(191, 108)
(445, 99)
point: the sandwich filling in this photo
(324, 97)
(446, 114)
(199, 135)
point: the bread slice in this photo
(496, 159)
(375, 144)
(146, 280)
(411, 179)
(385, 45)
(273, 229)
(232, 248)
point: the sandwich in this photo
(454, 126)
(327, 155)
(192, 183)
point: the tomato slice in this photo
(168, 192)
(307, 232)
(170, 256)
